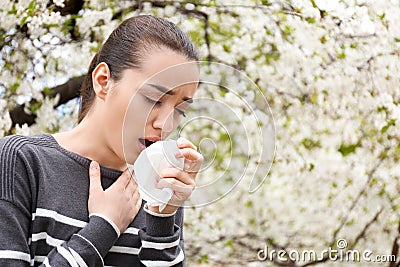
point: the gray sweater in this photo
(44, 216)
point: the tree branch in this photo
(70, 7)
(356, 199)
(66, 91)
(359, 236)
(364, 230)
(395, 248)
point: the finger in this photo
(190, 154)
(124, 179)
(183, 142)
(133, 186)
(136, 196)
(130, 188)
(139, 202)
(94, 177)
(178, 174)
(175, 185)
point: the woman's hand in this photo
(182, 182)
(120, 202)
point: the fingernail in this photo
(94, 165)
(179, 141)
(159, 184)
(178, 155)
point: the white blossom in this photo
(330, 74)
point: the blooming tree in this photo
(330, 74)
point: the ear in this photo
(101, 80)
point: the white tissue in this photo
(151, 161)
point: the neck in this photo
(87, 140)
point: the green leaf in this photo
(386, 127)
(13, 87)
(354, 45)
(13, 11)
(31, 7)
(350, 222)
(272, 55)
(381, 109)
(229, 243)
(287, 31)
(397, 152)
(35, 106)
(52, 25)
(313, 4)
(265, 2)
(227, 48)
(345, 150)
(252, 222)
(310, 20)
(203, 259)
(224, 136)
(311, 166)
(23, 20)
(309, 144)
(314, 98)
(249, 204)
(383, 155)
(341, 55)
(48, 91)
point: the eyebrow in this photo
(169, 92)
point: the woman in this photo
(68, 199)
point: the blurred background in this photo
(330, 73)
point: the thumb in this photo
(94, 176)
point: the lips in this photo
(148, 140)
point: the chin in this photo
(131, 157)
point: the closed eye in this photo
(181, 112)
(151, 101)
(156, 102)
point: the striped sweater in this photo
(44, 216)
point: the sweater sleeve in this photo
(85, 248)
(162, 242)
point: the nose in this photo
(164, 119)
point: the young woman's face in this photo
(146, 105)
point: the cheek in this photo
(133, 125)
(135, 117)
(177, 119)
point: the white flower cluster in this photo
(47, 117)
(37, 23)
(330, 73)
(59, 3)
(5, 121)
(91, 18)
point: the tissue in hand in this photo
(151, 161)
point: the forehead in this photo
(170, 69)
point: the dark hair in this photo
(127, 47)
